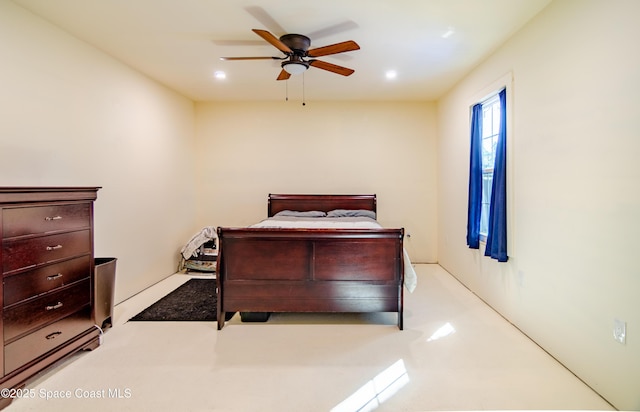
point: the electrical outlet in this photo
(620, 330)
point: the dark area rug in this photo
(193, 301)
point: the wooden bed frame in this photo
(310, 270)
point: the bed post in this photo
(219, 270)
(401, 308)
(401, 286)
(375, 205)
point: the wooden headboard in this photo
(325, 203)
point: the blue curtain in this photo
(475, 179)
(497, 233)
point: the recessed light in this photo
(391, 74)
(220, 75)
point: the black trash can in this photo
(105, 278)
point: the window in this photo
(490, 131)
(487, 212)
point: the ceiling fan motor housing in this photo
(297, 42)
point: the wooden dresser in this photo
(46, 296)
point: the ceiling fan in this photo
(297, 55)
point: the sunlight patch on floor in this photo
(372, 394)
(446, 330)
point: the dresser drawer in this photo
(43, 340)
(25, 253)
(44, 279)
(21, 221)
(26, 316)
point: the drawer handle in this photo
(49, 218)
(56, 247)
(53, 335)
(54, 307)
(54, 277)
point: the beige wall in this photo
(573, 178)
(72, 116)
(248, 150)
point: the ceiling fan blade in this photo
(273, 40)
(263, 17)
(331, 67)
(251, 58)
(335, 29)
(345, 46)
(284, 75)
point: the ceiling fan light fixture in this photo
(295, 67)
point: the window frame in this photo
(506, 81)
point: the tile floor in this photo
(454, 354)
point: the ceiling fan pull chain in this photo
(303, 99)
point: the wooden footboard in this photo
(309, 270)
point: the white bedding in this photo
(291, 222)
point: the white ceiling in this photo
(179, 42)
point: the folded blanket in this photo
(410, 277)
(206, 234)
